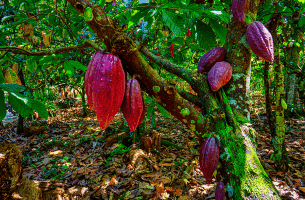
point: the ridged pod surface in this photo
(220, 191)
(208, 158)
(133, 105)
(239, 9)
(210, 58)
(107, 87)
(89, 77)
(260, 41)
(219, 75)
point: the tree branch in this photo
(181, 72)
(18, 50)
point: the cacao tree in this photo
(190, 26)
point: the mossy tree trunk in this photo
(293, 50)
(243, 173)
(268, 100)
(278, 141)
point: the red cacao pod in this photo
(260, 41)
(220, 191)
(219, 75)
(133, 105)
(107, 87)
(188, 33)
(210, 58)
(208, 158)
(239, 9)
(89, 77)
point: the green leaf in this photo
(135, 19)
(2, 80)
(69, 68)
(220, 30)
(2, 105)
(101, 3)
(33, 105)
(31, 66)
(19, 106)
(11, 87)
(223, 16)
(77, 65)
(174, 22)
(178, 40)
(301, 21)
(205, 36)
(283, 103)
(164, 112)
(150, 109)
(7, 18)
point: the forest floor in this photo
(69, 158)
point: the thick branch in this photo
(165, 94)
(181, 72)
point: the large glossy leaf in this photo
(31, 105)
(2, 105)
(69, 68)
(220, 30)
(19, 106)
(10, 87)
(174, 22)
(205, 36)
(76, 64)
(2, 80)
(164, 112)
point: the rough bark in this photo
(243, 172)
(246, 175)
(268, 100)
(239, 56)
(278, 142)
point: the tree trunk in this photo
(278, 142)
(243, 175)
(268, 100)
(84, 109)
(20, 126)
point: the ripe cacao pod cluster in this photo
(210, 58)
(220, 72)
(106, 93)
(209, 157)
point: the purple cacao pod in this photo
(208, 158)
(106, 85)
(219, 75)
(239, 9)
(133, 106)
(220, 191)
(210, 58)
(260, 41)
